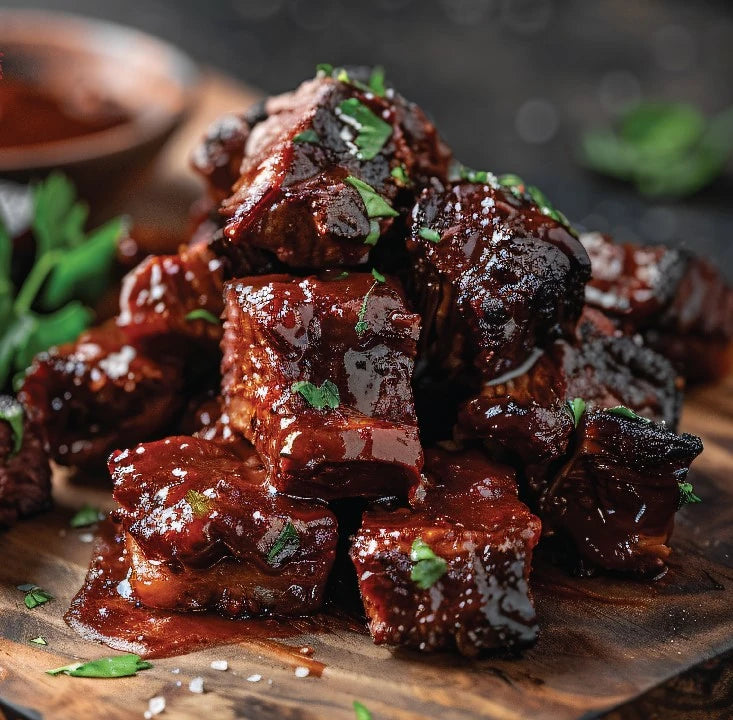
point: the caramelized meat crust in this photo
(354, 332)
(469, 515)
(203, 532)
(294, 196)
(25, 475)
(92, 395)
(492, 276)
(616, 496)
(681, 304)
(173, 295)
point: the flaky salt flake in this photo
(219, 665)
(302, 672)
(254, 678)
(196, 685)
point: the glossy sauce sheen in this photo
(103, 611)
(31, 116)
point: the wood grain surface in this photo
(604, 641)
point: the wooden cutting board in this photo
(603, 640)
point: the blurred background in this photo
(513, 85)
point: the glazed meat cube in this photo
(452, 571)
(324, 169)
(25, 475)
(616, 496)
(494, 278)
(317, 375)
(92, 395)
(173, 295)
(681, 304)
(203, 532)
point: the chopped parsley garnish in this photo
(427, 233)
(476, 176)
(375, 205)
(34, 595)
(362, 325)
(326, 396)
(687, 494)
(400, 175)
(513, 183)
(307, 136)
(361, 711)
(109, 667)
(70, 266)
(623, 411)
(11, 412)
(374, 233)
(285, 545)
(428, 568)
(324, 69)
(342, 275)
(88, 515)
(202, 314)
(199, 503)
(376, 81)
(576, 407)
(372, 131)
(38, 640)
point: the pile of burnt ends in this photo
(377, 299)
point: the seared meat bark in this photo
(174, 295)
(100, 392)
(287, 342)
(25, 475)
(322, 170)
(203, 532)
(493, 277)
(680, 304)
(616, 496)
(469, 588)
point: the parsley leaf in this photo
(378, 276)
(687, 494)
(374, 233)
(326, 396)
(428, 568)
(376, 81)
(202, 314)
(285, 546)
(324, 69)
(307, 136)
(109, 667)
(399, 173)
(576, 407)
(361, 711)
(374, 203)
(34, 595)
(372, 131)
(88, 515)
(427, 233)
(476, 176)
(11, 412)
(200, 504)
(40, 640)
(623, 411)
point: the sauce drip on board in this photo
(104, 611)
(30, 115)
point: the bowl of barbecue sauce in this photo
(96, 99)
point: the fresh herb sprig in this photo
(628, 413)
(576, 408)
(428, 567)
(325, 396)
(71, 268)
(109, 667)
(285, 545)
(362, 325)
(361, 711)
(687, 494)
(11, 412)
(372, 132)
(664, 149)
(34, 595)
(86, 516)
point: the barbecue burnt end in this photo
(353, 334)
(203, 532)
(25, 475)
(469, 515)
(616, 496)
(681, 304)
(493, 278)
(296, 196)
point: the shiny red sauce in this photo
(104, 612)
(30, 115)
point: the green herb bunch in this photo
(70, 271)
